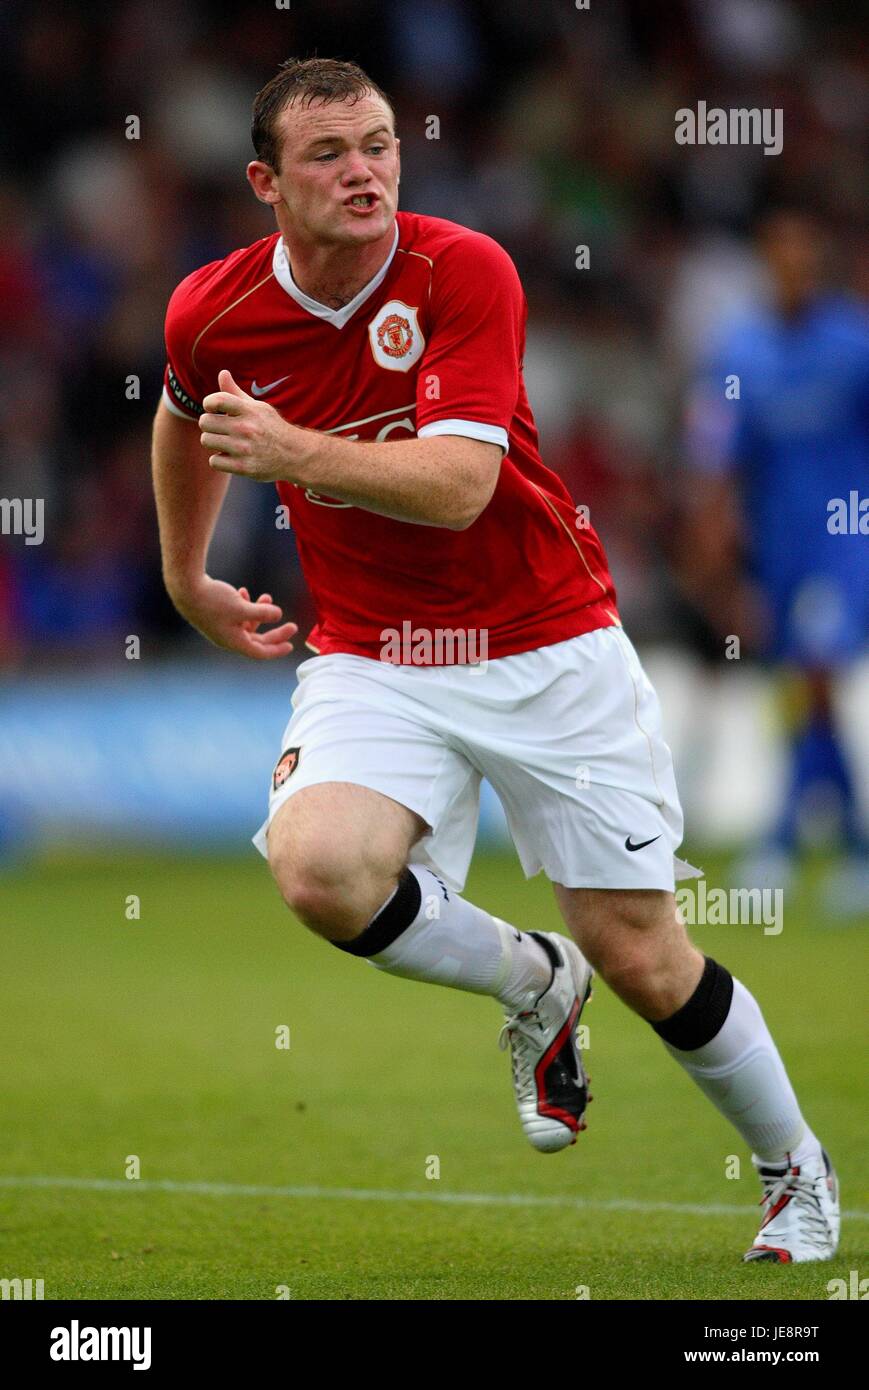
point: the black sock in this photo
(703, 1015)
(392, 919)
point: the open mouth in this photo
(362, 202)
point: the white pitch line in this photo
(366, 1194)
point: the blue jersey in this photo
(796, 441)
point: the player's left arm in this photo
(444, 481)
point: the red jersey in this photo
(432, 345)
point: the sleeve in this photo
(468, 381)
(183, 386)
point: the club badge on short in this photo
(285, 767)
(395, 336)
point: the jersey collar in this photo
(337, 317)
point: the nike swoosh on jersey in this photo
(264, 390)
(631, 846)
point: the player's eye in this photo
(321, 158)
(377, 149)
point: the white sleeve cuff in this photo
(175, 407)
(470, 429)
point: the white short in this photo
(569, 736)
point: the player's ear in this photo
(263, 181)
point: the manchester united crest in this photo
(285, 767)
(396, 339)
(395, 336)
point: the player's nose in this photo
(356, 171)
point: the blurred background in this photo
(556, 131)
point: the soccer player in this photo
(369, 362)
(788, 459)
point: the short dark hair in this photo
(306, 80)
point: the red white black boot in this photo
(549, 1080)
(801, 1212)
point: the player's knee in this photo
(644, 961)
(315, 882)
(333, 888)
(630, 937)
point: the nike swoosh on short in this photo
(630, 846)
(263, 390)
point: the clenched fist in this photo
(247, 436)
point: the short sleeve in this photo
(469, 374)
(183, 387)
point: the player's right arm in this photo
(189, 497)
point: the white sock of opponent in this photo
(425, 931)
(719, 1036)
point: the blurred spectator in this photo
(780, 436)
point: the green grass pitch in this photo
(156, 1038)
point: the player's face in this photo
(339, 170)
